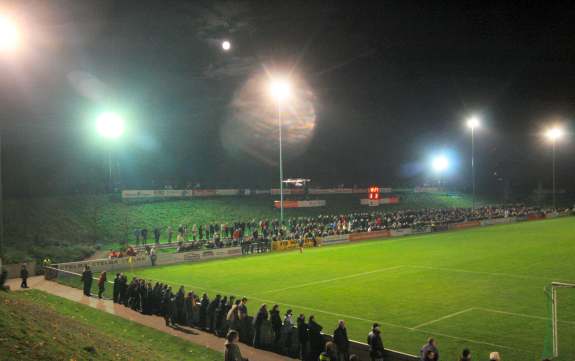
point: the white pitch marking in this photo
(522, 315)
(482, 273)
(332, 279)
(443, 318)
(358, 318)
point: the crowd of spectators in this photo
(228, 316)
(218, 235)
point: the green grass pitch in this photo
(480, 288)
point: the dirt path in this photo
(198, 337)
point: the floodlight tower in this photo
(110, 126)
(472, 123)
(10, 41)
(553, 135)
(439, 164)
(280, 91)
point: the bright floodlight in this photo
(110, 125)
(226, 45)
(280, 90)
(554, 133)
(440, 163)
(473, 122)
(9, 35)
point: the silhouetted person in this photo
(87, 280)
(341, 341)
(431, 345)
(375, 343)
(316, 341)
(24, 276)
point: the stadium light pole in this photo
(110, 126)
(472, 123)
(280, 90)
(10, 41)
(553, 135)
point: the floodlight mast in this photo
(10, 41)
(472, 123)
(280, 91)
(110, 126)
(554, 134)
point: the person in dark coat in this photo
(243, 320)
(375, 343)
(232, 352)
(276, 320)
(303, 337)
(157, 235)
(431, 345)
(330, 353)
(87, 280)
(212, 312)
(316, 341)
(221, 312)
(465, 355)
(341, 341)
(145, 235)
(204, 304)
(258, 321)
(24, 276)
(116, 289)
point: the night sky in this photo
(387, 84)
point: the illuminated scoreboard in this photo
(373, 193)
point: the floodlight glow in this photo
(226, 45)
(110, 125)
(554, 133)
(440, 163)
(280, 90)
(9, 34)
(473, 122)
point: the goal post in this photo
(552, 343)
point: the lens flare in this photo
(251, 128)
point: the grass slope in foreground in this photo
(479, 288)
(37, 326)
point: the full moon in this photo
(226, 45)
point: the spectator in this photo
(261, 316)
(431, 345)
(87, 280)
(276, 323)
(330, 353)
(341, 341)
(24, 276)
(429, 355)
(465, 355)
(153, 256)
(212, 312)
(288, 330)
(170, 234)
(157, 235)
(303, 336)
(316, 341)
(145, 235)
(3, 278)
(116, 289)
(243, 319)
(375, 343)
(233, 352)
(102, 284)
(204, 304)
(494, 356)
